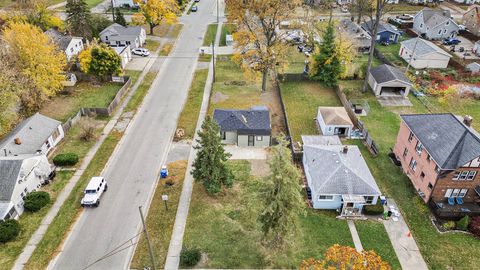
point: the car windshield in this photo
(90, 191)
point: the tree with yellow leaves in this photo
(100, 60)
(37, 58)
(155, 12)
(258, 37)
(342, 257)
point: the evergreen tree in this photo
(210, 165)
(119, 17)
(326, 66)
(78, 18)
(282, 200)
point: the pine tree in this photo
(210, 165)
(119, 18)
(78, 18)
(326, 65)
(282, 200)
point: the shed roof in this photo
(333, 172)
(422, 47)
(9, 170)
(335, 116)
(32, 132)
(255, 121)
(448, 141)
(387, 73)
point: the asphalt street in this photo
(100, 237)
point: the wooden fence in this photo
(381, 57)
(71, 121)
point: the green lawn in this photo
(374, 237)
(441, 251)
(93, 3)
(152, 45)
(295, 61)
(302, 100)
(189, 116)
(159, 220)
(227, 29)
(226, 228)
(403, 7)
(391, 52)
(209, 37)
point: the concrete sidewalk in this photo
(355, 236)
(62, 197)
(403, 242)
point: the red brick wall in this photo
(446, 182)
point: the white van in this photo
(94, 191)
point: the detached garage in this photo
(334, 121)
(386, 80)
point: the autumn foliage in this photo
(156, 12)
(343, 257)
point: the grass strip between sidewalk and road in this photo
(166, 49)
(159, 220)
(141, 92)
(210, 35)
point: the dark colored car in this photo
(451, 41)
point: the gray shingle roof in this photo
(423, 47)
(473, 67)
(382, 27)
(386, 73)
(432, 17)
(58, 38)
(255, 121)
(353, 31)
(33, 132)
(448, 141)
(334, 172)
(121, 30)
(9, 170)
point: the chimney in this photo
(17, 141)
(345, 149)
(467, 120)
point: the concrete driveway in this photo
(246, 152)
(103, 238)
(137, 63)
(468, 49)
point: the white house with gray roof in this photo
(245, 127)
(421, 53)
(339, 178)
(117, 35)
(36, 134)
(70, 45)
(435, 24)
(20, 175)
(386, 80)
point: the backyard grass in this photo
(374, 237)
(226, 227)
(62, 222)
(441, 251)
(391, 52)
(209, 37)
(93, 3)
(141, 92)
(227, 29)
(29, 223)
(295, 61)
(166, 49)
(302, 99)
(152, 45)
(160, 221)
(189, 116)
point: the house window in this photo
(456, 174)
(368, 199)
(422, 175)
(325, 197)
(419, 147)
(471, 175)
(421, 25)
(106, 37)
(378, 37)
(223, 135)
(429, 158)
(128, 42)
(448, 193)
(405, 152)
(437, 169)
(463, 175)
(439, 31)
(448, 22)
(413, 164)
(260, 138)
(430, 186)
(55, 134)
(455, 192)
(410, 137)
(392, 37)
(444, 31)
(463, 192)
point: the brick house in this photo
(440, 153)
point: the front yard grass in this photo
(209, 37)
(302, 99)
(226, 227)
(441, 251)
(191, 109)
(160, 221)
(227, 29)
(152, 45)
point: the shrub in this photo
(67, 159)
(449, 225)
(9, 229)
(376, 209)
(462, 224)
(190, 256)
(170, 181)
(87, 127)
(36, 200)
(474, 226)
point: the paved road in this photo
(132, 170)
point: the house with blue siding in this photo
(386, 33)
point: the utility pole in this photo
(148, 238)
(218, 21)
(113, 11)
(213, 59)
(413, 54)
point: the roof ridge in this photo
(460, 141)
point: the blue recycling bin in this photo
(164, 172)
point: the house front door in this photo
(251, 140)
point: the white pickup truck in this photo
(94, 190)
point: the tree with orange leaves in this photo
(343, 257)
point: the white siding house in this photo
(422, 54)
(70, 45)
(123, 3)
(125, 54)
(435, 24)
(334, 121)
(117, 35)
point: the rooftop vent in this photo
(17, 141)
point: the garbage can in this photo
(383, 200)
(164, 172)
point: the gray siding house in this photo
(422, 54)
(386, 80)
(117, 35)
(435, 24)
(245, 127)
(339, 178)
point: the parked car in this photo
(196, 1)
(451, 41)
(94, 190)
(194, 9)
(462, 27)
(141, 51)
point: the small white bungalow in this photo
(334, 121)
(125, 54)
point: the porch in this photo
(446, 211)
(352, 205)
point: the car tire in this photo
(105, 188)
(97, 203)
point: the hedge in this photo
(9, 229)
(190, 256)
(36, 200)
(67, 159)
(374, 210)
(462, 224)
